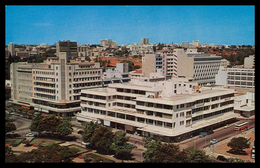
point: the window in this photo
(181, 122)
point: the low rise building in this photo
(171, 109)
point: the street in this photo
(219, 134)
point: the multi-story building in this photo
(236, 77)
(249, 62)
(10, 48)
(171, 109)
(55, 85)
(69, 47)
(116, 75)
(185, 44)
(144, 41)
(198, 67)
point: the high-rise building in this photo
(103, 43)
(196, 43)
(144, 41)
(69, 47)
(55, 85)
(11, 49)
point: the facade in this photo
(169, 109)
(144, 41)
(69, 47)
(249, 62)
(55, 85)
(236, 77)
(185, 44)
(10, 48)
(116, 75)
(198, 67)
(245, 104)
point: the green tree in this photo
(9, 125)
(238, 144)
(169, 153)
(89, 129)
(36, 124)
(152, 146)
(120, 146)
(65, 128)
(196, 156)
(102, 138)
(50, 123)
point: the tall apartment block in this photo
(144, 41)
(170, 109)
(55, 85)
(198, 67)
(69, 47)
(11, 49)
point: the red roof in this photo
(138, 71)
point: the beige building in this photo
(55, 85)
(249, 62)
(198, 67)
(171, 109)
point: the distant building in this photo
(249, 62)
(69, 47)
(11, 49)
(144, 41)
(103, 43)
(116, 75)
(198, 67)
(185, 44)
(195, 43)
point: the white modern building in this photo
(198, 67)
(236, 77)
(171, 109)
(245, 104)
(118, 74)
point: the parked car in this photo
(86, 143)
(227, 126)
(30, 135)
(253, 146)
(213, 141)
(222, 158)
(253, 153)
(24, 116)
(202, 134)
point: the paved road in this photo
(22, 125)
(219, 134)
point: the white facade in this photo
(249, 62)
(165, 108)
(199, 67)
(116, 75)
(236, 77)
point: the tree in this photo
(102, 138)
(36, 124)
(50, 123)
(238, 144)
(65, 128)
(196, 156)
(120, 146)
(89, 130)
(9, 156)
(152, 146)
(9, 125)
(169, 153)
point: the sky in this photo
(230, 25)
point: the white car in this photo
(227, 126)
(30, 135)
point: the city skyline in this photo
(230, 25)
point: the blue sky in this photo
(231, 25)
